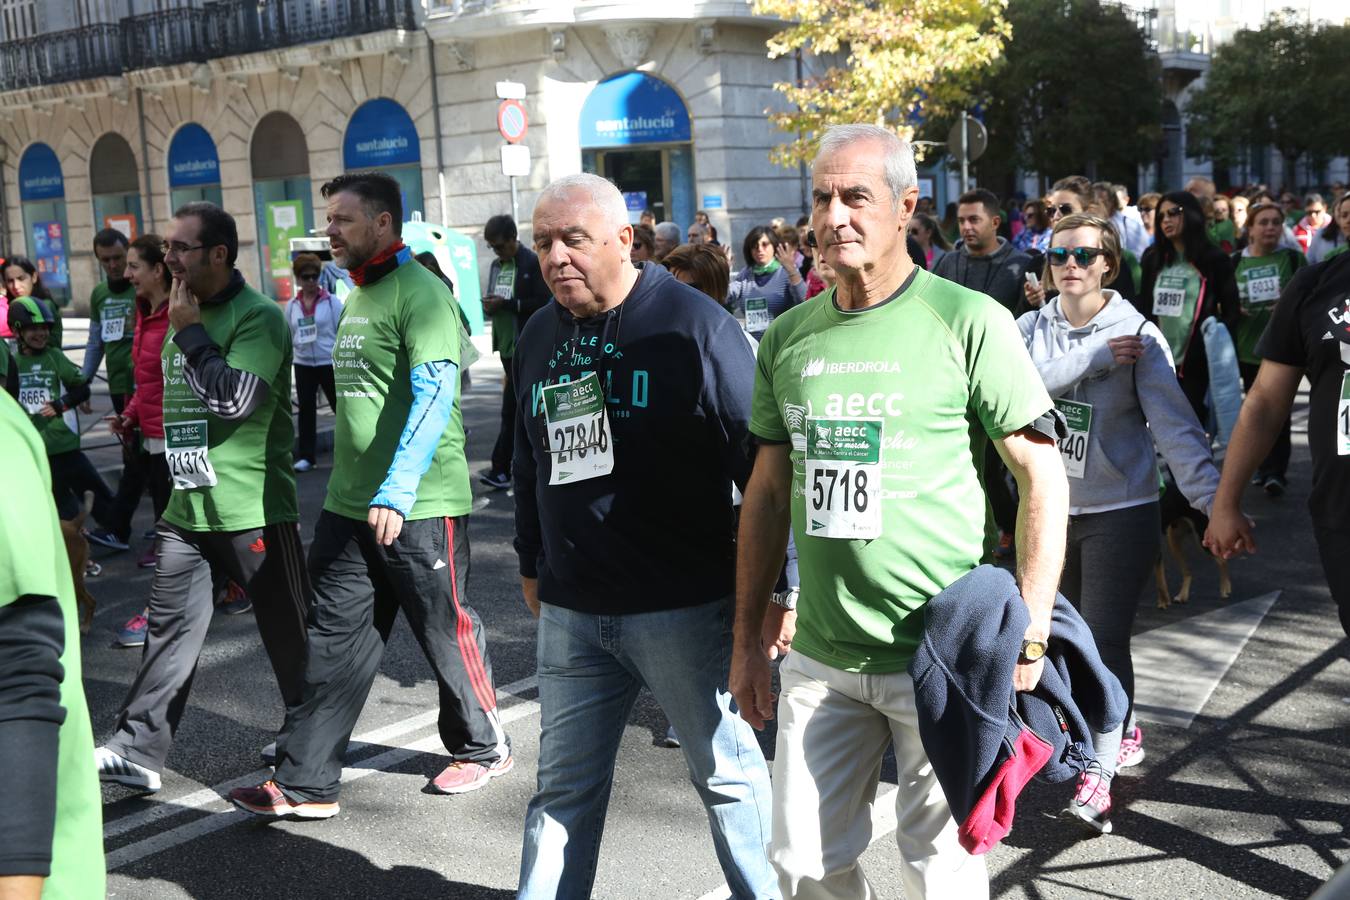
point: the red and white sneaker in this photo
(1131, 749)
(267, 800)
(462, 777)
(1092, 803)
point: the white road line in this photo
(207, 796)
(223, 815)
(883, 823)
(1177, 667)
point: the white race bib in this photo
(577, 434)
(843, 478)
(113, 329)
(306, 331)
(505, 285)
(1074, 447)
(185, 451)
(1343, 418)
(1263, 284)
(1169, 296)
(32, 399)
(757, 318)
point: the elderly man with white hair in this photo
(668, 236)
(633, 401)
(872, 407)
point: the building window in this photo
(19, 18)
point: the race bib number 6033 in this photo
(843, 478)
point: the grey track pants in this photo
(269, 563)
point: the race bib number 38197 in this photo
(1343, 418)
(843, 478)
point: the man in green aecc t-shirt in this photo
(873, 405)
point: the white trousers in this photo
(833, 729)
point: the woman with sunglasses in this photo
(1263, 269)
(1108, 369)
(1076, 196)
(644, 239)
(313, 317)
(1186, 279)
(1335, 235)
(769, 284)
(925, 229)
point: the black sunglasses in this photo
(1063, 209)
(1173, 212)
(810, 239)
(307, 276)
(1084, 256)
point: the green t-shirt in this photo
(1176, 293)
(43, 379)
(1222, 234)
(33, 563)
(504, 320)
(387, 329)
(250, 458)
(926, 378)
(1260, 279)
(1335, 252)
(114, 315)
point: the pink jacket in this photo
(146, 407)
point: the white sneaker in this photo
(112, 767)
(269, 755)
(303, 465)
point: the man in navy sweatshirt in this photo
(633, 402)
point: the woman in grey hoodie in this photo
(1111, 375)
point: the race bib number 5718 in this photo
(843, 478)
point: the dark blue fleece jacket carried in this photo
(656, 533)
(971, 719)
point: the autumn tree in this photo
(886, 62)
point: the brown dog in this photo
(1180, 519)
(77, 550)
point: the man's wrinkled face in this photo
(857, 226)
(581, 253)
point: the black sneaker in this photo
(498, 481)
(1273, 486)
(106, 538)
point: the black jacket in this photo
(657, 532)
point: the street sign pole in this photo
(515, 201)
(965, 153)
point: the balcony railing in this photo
(88, 52)
(215, 29)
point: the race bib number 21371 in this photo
(843, 478)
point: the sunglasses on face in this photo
(1062, 209)
(308, 276)
(1147, 209)
(810, 239)
(1173, 213)
(1083, 256)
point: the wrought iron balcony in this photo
(217, 28)
(89, 52)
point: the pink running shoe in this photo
(1131, 749)
(1092, 803)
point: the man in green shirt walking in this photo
(112, 325)
(872, 407)
(228, 437)
(51, 837)
(393, 532)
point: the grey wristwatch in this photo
(787, 599)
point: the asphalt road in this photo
(1251, 798)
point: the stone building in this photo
(114, 112)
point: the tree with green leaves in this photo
(895, 60)
(1283, 85)
(1077, 92)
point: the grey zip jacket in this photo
(1133, 408)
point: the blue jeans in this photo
(590, 670)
